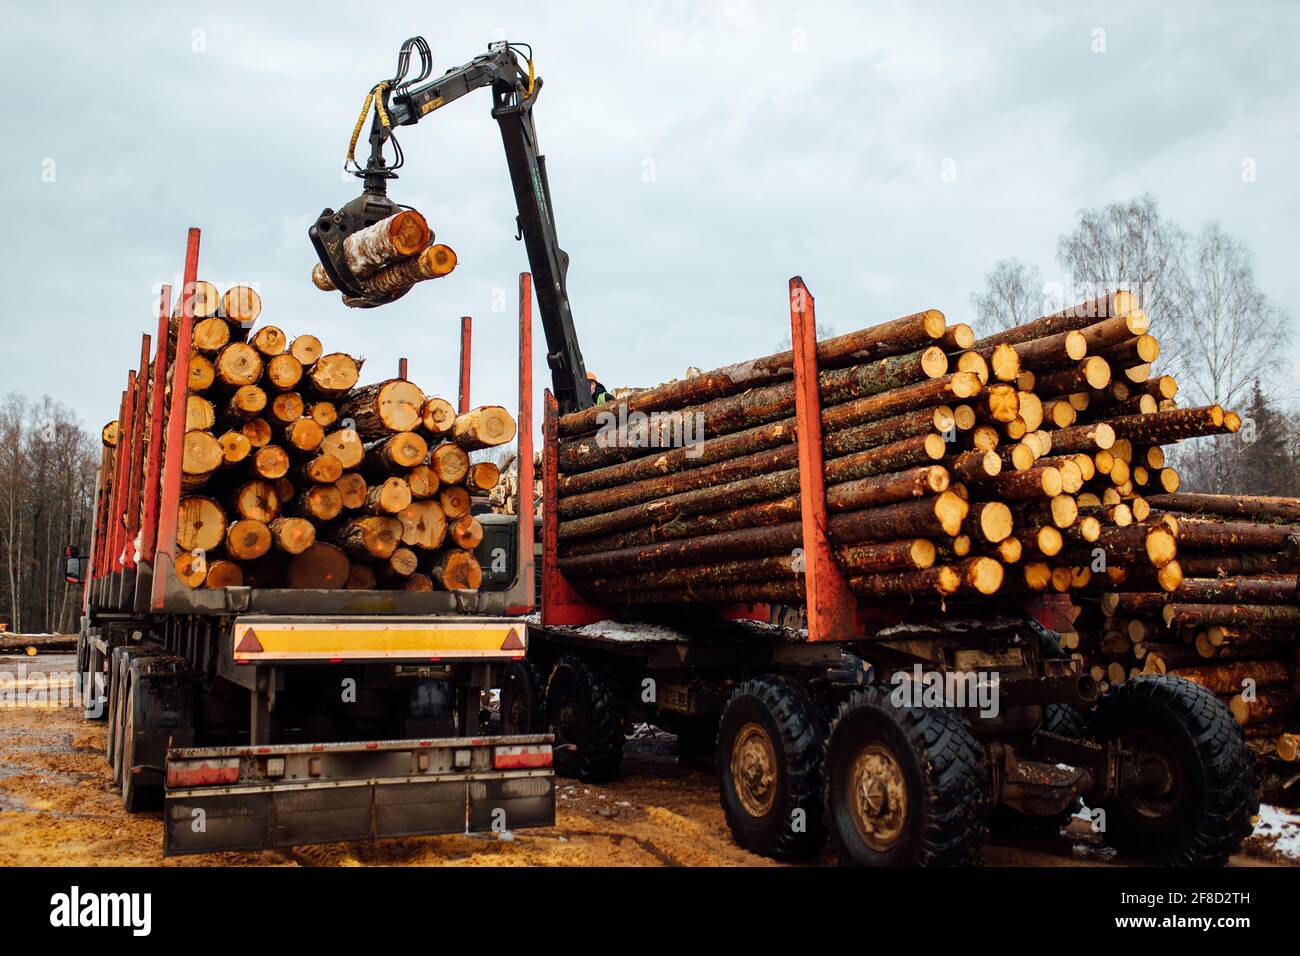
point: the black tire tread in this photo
(801, 738)
(1229, 792)
(600, 758)
(956, 798)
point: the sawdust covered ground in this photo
(58, 807)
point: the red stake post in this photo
(137, 454)
(466, 326)
(170, 501)
(832, 607)
(153, 465)
(524, 461)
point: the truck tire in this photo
(1199, 809)
(157, 712)
(523, 698)
(769, 768)
(584, 712)
(119, 668)
(905, 786)
(111, 707)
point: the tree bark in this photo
(383, 409)
(890, 338)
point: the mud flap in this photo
(512, 803)
(223, 800)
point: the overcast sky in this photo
(699, 155)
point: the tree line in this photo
(47, 486)
(1221, 336)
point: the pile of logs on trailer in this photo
(1230, 625)
(295, 475)
(1025, 464)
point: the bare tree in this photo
(1127, 245)
(1229, 334)
(1013, 295)
(47, 473)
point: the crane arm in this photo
(514, 92)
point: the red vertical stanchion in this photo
(466, 326)
(110, 491)
(170, 496)
(96, 531)
(832, 607)
(524, 501)
(153, 465)
(401, 369)
(117, 531)
(137, 454)
(561, 604)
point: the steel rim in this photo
(878, 796)
(1156, 792)
(753, 769)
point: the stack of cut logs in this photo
(295, 476)
(1232, 624)
(389, 258)
(955, 468)
(1031, 462)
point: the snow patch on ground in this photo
(1280, 828)
(630, 631)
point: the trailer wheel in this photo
(133, 795)
(1192, 787)
(769, 768)
(157, 712)
(905, 786)
(523, 698)
(96, 692)
(119, 669)
(584, 712)
(113, 708)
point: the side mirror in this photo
(73, 568)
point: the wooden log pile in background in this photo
(295, 475)
(1232, 623)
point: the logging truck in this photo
(811, 732)
(873, 713)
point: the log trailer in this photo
(810, 737)
(270, 717)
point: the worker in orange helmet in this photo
(599, 394)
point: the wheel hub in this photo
(878, 796)
(754, 769)
(1154, 785)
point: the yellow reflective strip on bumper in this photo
(343, 641)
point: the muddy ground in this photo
(58, 807)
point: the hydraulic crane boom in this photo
(402, 102)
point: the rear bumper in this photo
(249, 798)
